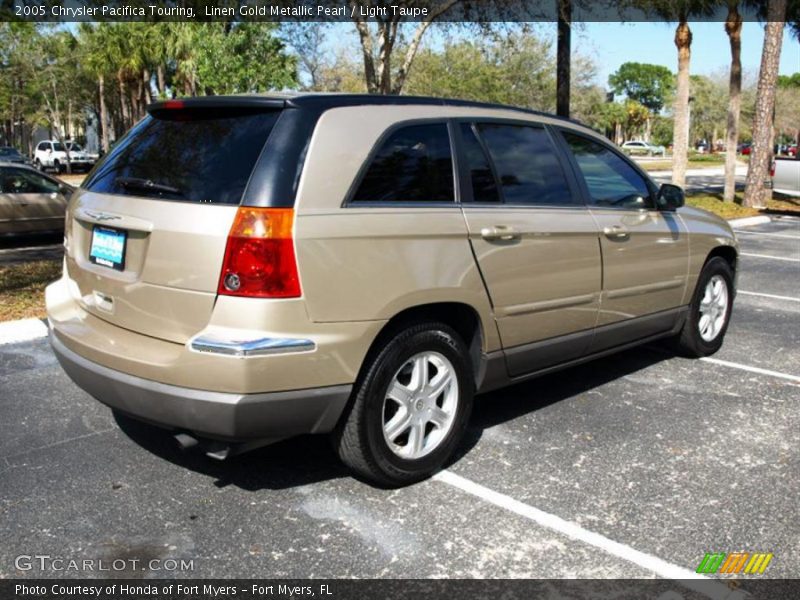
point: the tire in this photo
(394, 459)
(57, 167)
(700, 337)
(38, 165)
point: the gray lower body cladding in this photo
(216, 415)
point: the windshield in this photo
(74, 148)
(8, 151)
(197, 155)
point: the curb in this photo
(22, 330)
(749, 221)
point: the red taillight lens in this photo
(772, 169)
(259, 257)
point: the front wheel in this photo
(709, 312)
(410, 408)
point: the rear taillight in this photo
(772, 169)
(259, 257)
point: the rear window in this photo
(190, 155)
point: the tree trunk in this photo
(101, 86)
(683, 41)
(135, 104)
(123, 101)
(148, 96)
(756, 192)
(161, 82)
(563, 56)
(733, 27)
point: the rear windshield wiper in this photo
(140, 183)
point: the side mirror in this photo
(670, 197)
(66, 191)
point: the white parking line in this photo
(759, 370)
(29, 248)
(773, 296)
(771, 257)
(23, 330)
(777, 235)
(662, 568)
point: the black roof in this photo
(325, 101)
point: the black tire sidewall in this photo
(716, 266)
(437, 339)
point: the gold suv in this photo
(244, 269)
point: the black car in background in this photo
(9, 154)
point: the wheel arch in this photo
(728, 253)
(462, 317)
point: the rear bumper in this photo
(217, 415)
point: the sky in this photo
(611, 44)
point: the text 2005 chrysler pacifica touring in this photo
(244, 269)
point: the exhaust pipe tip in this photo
(186, 441)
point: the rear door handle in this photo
(617, 232)
(500, 232)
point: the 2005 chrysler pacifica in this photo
(244, 269)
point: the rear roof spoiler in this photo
(218, 102)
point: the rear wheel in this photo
(410, 408)
(710, 311)
(38, 164)
(57, 167)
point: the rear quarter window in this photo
(191, 155)
(414, 164)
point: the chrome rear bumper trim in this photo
(247, 348)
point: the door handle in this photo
(617, 232)
(500, 232)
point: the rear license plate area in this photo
(108, 247)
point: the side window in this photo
(526, 165)
(42, 146)
(610, 179)
(484, 186)
(16, 181)
(413, 165)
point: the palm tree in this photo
(756, 193)
(94, 40)
(733, 27)
(680, 11)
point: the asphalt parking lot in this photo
(631, 466)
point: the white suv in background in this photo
(640, 147)
(50, 154)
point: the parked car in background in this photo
(51, 154)
(639, 147)
(363, 265)
(786, 175)
(744, 149)
(75, 147)
(31, 201)
(792, 150)
(9, 154)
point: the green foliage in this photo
(60, 77)
(518, 70)
(647, 84)
(247, 57)
(709, 109)
(661, 131)
(789, 81)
